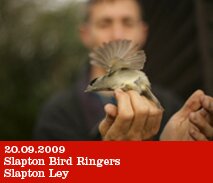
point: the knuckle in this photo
(201, 125)
(146, 135)
(126, 116)
(133, 136)
(155, 112)
(155, 129)
(122, 96)
(160, 112)
(143, 110)
(113, 136)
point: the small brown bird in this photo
(123, 63)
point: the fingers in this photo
(111, 112)
(141, 112)
(103, 127)
(203, 112)
(196, 135)
(193, 103)
(147, 117)
(153, 123)
(207, 103)
(198, 119)
(206, 115)
(124, 118)
(203, 118)
(135, 118)
(125, 111)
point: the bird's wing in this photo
(117, 55)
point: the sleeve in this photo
(60, 119)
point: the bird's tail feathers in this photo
(148, 93)
(117, 55)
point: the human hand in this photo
(203, 120)
(179, 126)
(135, 118)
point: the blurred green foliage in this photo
(40, 53)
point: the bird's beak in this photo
(89, 89)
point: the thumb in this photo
(111, 112)
(106, 123)
(193, 103)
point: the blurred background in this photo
(40, 53)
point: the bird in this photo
(123, 62)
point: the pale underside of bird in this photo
(123, 62)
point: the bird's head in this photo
(95, 85)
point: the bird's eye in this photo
(93, 81)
